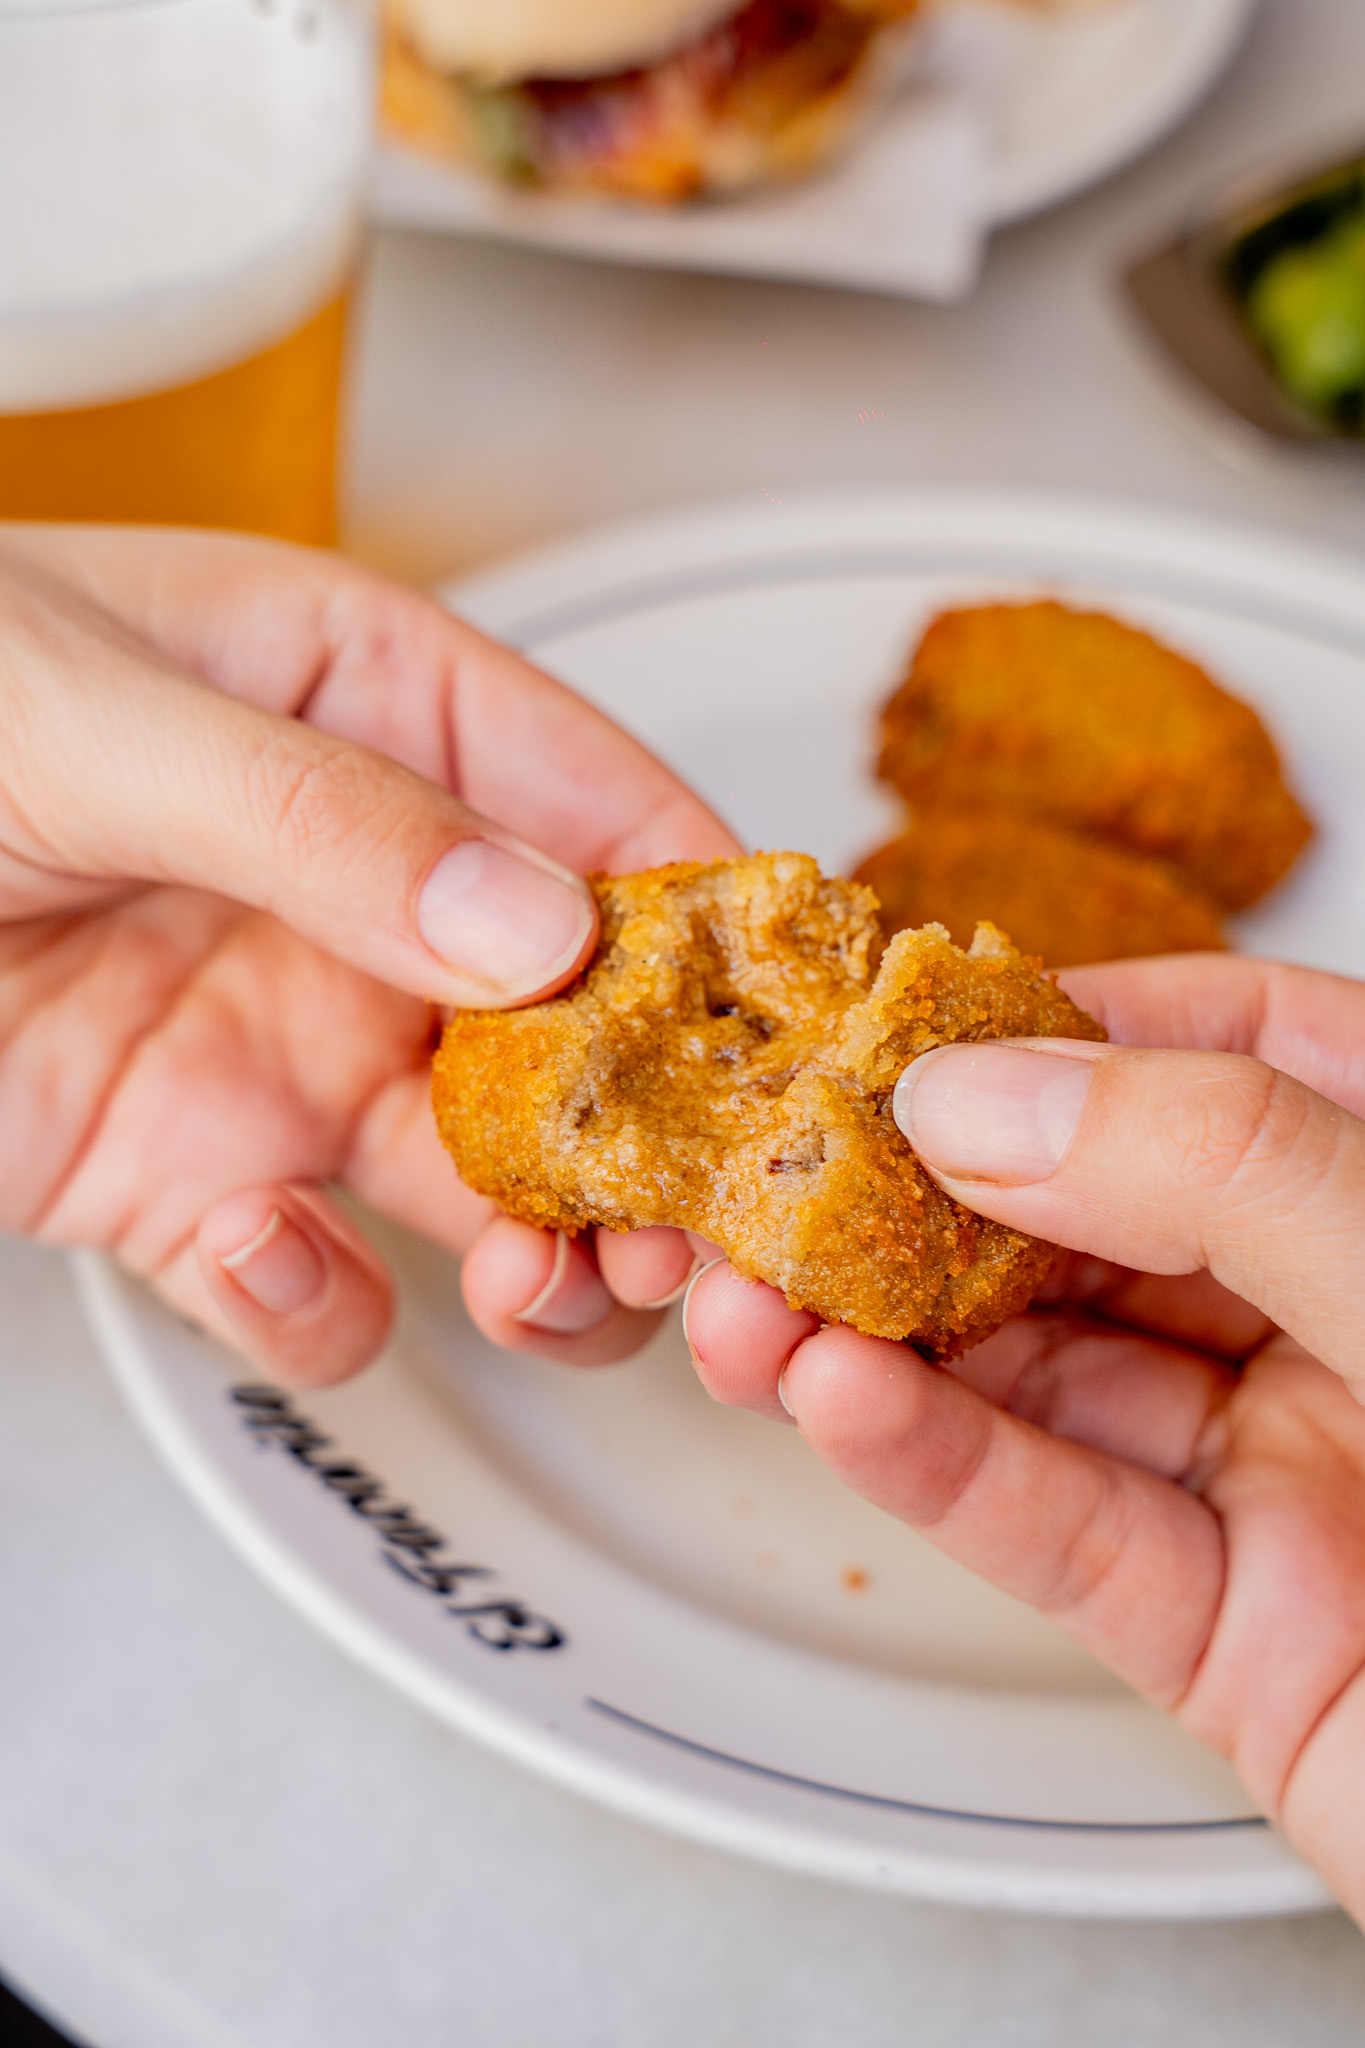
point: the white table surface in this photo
(213, 1830)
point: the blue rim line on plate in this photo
(918, 1807)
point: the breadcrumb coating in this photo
(726, 1063)
(1058, 894)
(1074, 717)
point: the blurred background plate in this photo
(1090, 90)
(1068, 97)
(668, 1606)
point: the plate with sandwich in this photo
(668, 1606)
(869, 143)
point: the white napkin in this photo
(905, 212)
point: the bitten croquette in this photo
(726, 1063)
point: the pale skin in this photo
(231, 769)
(234, 770)
(1155, 1456)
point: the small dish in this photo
(1196, 296)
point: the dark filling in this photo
(767, 64)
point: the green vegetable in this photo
(1298, 275)
(1307, 309)
(505, 125)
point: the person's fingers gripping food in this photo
(1172, 1162)
(235, 713)
(725, 1065)
(383, 868)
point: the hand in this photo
(1168, 1455)
(245, 845)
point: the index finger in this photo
(1097, 1544)
(1307, 1024)
(305, 634)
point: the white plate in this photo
(715, 1636)
(1066, 98)
(1095, 90)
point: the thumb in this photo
(1163, 1161)
(121, 769)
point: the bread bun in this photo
(499, 41)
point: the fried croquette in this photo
(1058, 894)
(1076, 718)
(726, 1063)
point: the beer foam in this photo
(179, 186)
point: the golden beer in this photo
(180, 191)
(254, 447)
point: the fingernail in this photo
(677, 1293)
(992, 1112)
(782, 1395)
(279, 1268)
(575, 1298)
(509, 920)
(688, 1290)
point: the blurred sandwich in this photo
(658, 101)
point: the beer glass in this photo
(179, 210)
